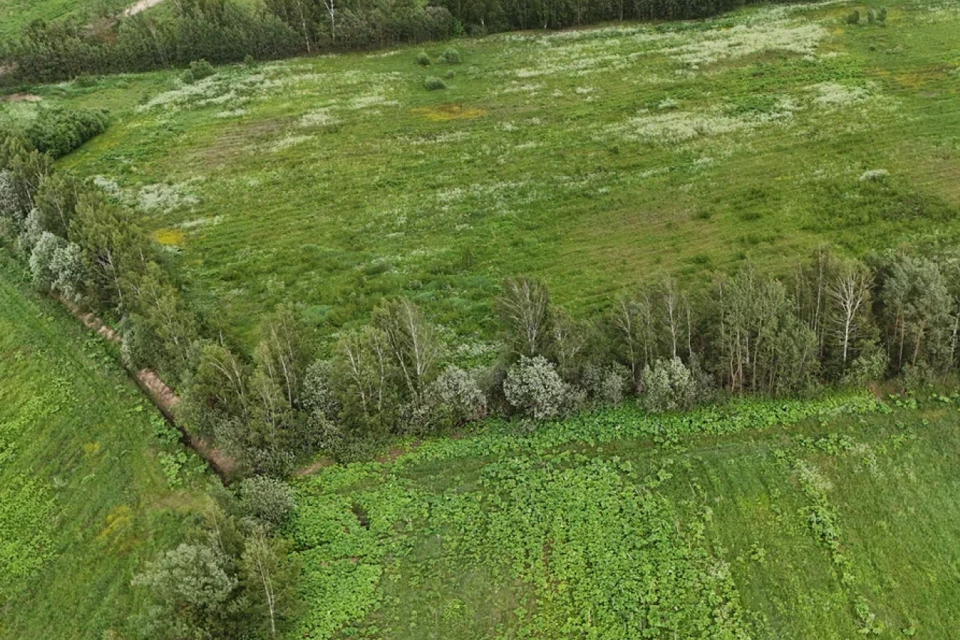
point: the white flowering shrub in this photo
(41, 258)
(9, 203)
(31, 232)
(457, 394)
(67, 267)
(534, 387)
(266, 501)
(669, 385)
(874, 175)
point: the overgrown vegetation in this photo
(536, 499)
(82, 497)
(758, 520)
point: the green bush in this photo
(432, 83)
(882, 15)
(423, 59)
(854, 17)
(85, 81)
(449, 75)
(450, 56)
(199, 69)
(59, 131)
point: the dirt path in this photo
(17, 97)
(140, 5)
(165, 398)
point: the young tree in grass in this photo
(917, 312)
(849, 296)
(671, 313)
(269, 577)
(364, 366)
(284, 352)
(115, 250)
(56, 199)
(568, 343)
(192, 589)
(412, 343)
(524, 309)
(811, 293)
(633, 337)
(168, 328)
(23, 171)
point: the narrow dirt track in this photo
(165, 399)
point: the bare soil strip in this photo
(165, 398)
(141, 5)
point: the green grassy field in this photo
(85, 495)
(591, 158)
(17, 14)
(798, 520)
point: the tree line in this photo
(831, 321)
(223, 31)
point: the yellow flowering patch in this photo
(118, 520)
(451, 112)
(169, 237)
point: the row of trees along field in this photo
(832, 320)
(222, 31)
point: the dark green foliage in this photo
(423, 59)
(61, 50)
(433, 83)
(199, 69)
(854, 17)
(450, 56)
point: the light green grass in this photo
(17, 14)
(700, 528)
(84, 500)
(593, 159)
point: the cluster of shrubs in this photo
(873, 16)
(449, 56)
(59, 131)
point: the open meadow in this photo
(593, 159)
(441, 437)
(92, 483)
(17, 14)
(819, 519)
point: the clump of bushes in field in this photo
(432, 83)
(59, 131)
(450, 56)
(423, 59)
(198, 70)
(873, 16)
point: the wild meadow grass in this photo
(810, 519)
(594, 159)
(92, 482)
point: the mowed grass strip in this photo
(85, 500)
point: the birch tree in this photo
(524, 310)
(849, 295)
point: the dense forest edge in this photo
(196, 31)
